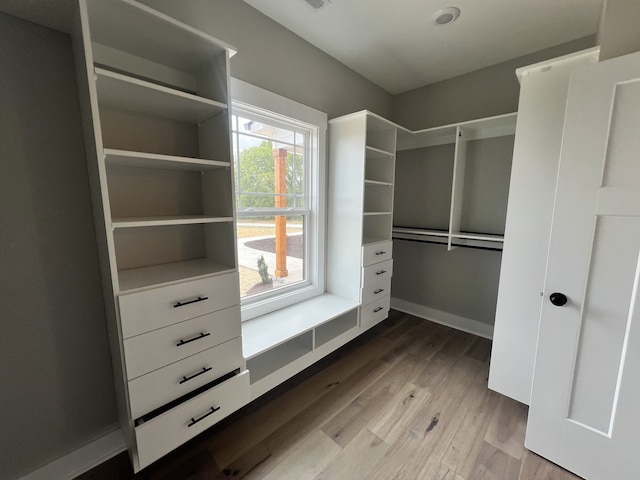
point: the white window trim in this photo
(252, 98)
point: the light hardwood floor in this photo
(407, 400)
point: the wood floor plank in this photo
(507, 428)
(452, 349)
(465, 446)
(245, 432)
(365, 408)
(435, 470)
(494, 464)
(391, 422)
(411, 451)
(535, 467)
(303, 459)
(357, 459)
(316, 415)
(257, 461)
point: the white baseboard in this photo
(444, 318)
(82, 459)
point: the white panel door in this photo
(585, 405)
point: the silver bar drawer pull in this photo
(380, 290)
(381, 272)
(191, 377)
(195, 300)
(376, 310)
(211, 411)
(381, 252)
(184, 342)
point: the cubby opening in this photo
(426, 177)
(179, 251)
(381, 135)
(378, 198)
(486, 185)
(376, 228)
(336, 327)
(378, 168)
(161, 192)
(167, 53)
(278, 357)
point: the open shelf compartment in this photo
(150, 256)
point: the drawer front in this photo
(377, 272)
(374, 312)
(142, 312)
(376, 290)
(161, 347)
(151, 391)
(162, 434)
(377, 252)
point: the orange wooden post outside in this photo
(280, 158)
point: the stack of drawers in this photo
(177, 340)
(377, 269)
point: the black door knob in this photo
(558, 299)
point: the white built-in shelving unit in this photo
(156, 105)
(361, 178)
(455, 183)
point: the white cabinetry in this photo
(543, 94)
(156, 108)
(361, 178)
(454, 183)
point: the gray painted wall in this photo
(490, 91)
(55, 371)
(273, 58)
(619, 33)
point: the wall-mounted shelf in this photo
(165, 221)
(131, 94)
(126, 158)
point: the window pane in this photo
(269, 165)
(270, 253)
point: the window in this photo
(279, 192)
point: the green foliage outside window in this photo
(256, 174)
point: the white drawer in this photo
(152, 350)
(375, 290)
(374, 312)
(376, 252)
(165, 432)
(144, 311)
(377, 272)
(151, 391)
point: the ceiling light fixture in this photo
(446, 16)
(318, 4)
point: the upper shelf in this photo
(127, 158)
(127, 93)
(500, 125)
(142, 31)
(135, 222)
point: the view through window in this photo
(271, 160)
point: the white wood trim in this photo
(444, 318)
(82, 459)
(590, 54)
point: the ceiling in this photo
(396, 45)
